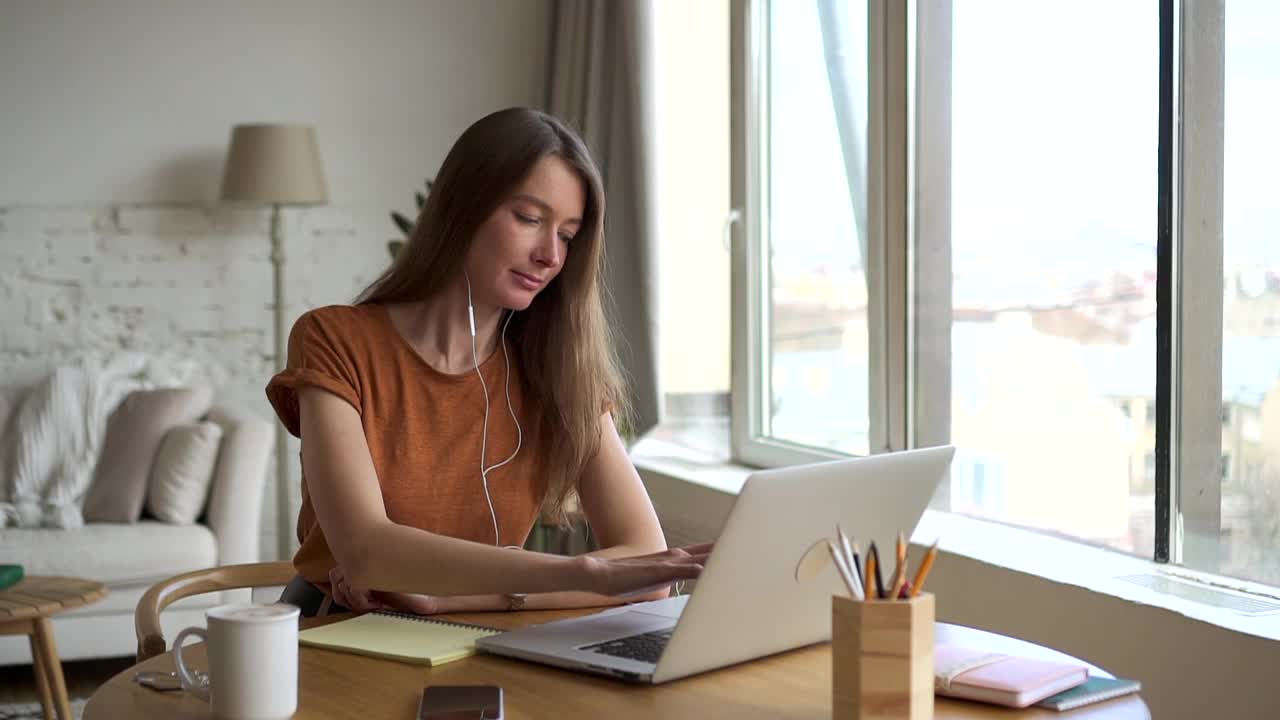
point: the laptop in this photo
(747, 603)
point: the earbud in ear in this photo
(471, 310)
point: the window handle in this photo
(734, 217)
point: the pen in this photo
(923, 572)
(850, 555)
(857, 569)
(842, 569)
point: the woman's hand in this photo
(360, 600)
(634, 575)
(343, 594)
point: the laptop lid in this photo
(748, 603)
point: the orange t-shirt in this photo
(423, 428)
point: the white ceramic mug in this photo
(253, 661)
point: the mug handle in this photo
(190, 681)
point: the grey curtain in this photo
(601, 83)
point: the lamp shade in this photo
(273, 165)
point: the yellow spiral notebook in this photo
(399, 636)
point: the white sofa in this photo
(128, 558)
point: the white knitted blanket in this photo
(51, 445)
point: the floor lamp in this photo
(275, 165)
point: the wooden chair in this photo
(146, 617)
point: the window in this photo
(978, 485)
(800, 271)
(1041, 302)
(1250, 222)
(1053, 261)
(692, 66)
(954, 242)
(815, 315)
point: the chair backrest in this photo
(146, 617)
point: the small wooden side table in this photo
(25, 609)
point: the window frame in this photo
(909, 253)
(1192, 479)
(886, 263)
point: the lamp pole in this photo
(274, 165)
(282, 436)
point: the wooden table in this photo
(25, 609)
(796, 684)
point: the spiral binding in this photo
(425, 619)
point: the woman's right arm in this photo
(375, 552)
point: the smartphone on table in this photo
(460, 702)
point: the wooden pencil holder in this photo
(882, 659)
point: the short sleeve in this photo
(317, 357)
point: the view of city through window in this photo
(1251, 302)
(1054, 117)
(1053, 196)
(1053, 190)
(818, 342)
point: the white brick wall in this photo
(187, 279)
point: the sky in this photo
(1054, 120)
(1054, 144)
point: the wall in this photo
(132, 101)
(114, 124)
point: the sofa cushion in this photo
(133, 436)
(115, 554)
(182, 472)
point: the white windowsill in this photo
(1014, 549)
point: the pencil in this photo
(899, 579)
(923, 572)
(875, 556)
(899, 569)
(868, 574)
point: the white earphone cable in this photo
(484, 388)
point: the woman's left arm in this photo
(615, 501)
(620, 515)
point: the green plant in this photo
(404, 223)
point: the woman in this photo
(470, 389)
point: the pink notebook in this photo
(976, 674)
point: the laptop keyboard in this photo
(645, 647)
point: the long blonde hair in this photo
(564, 346)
